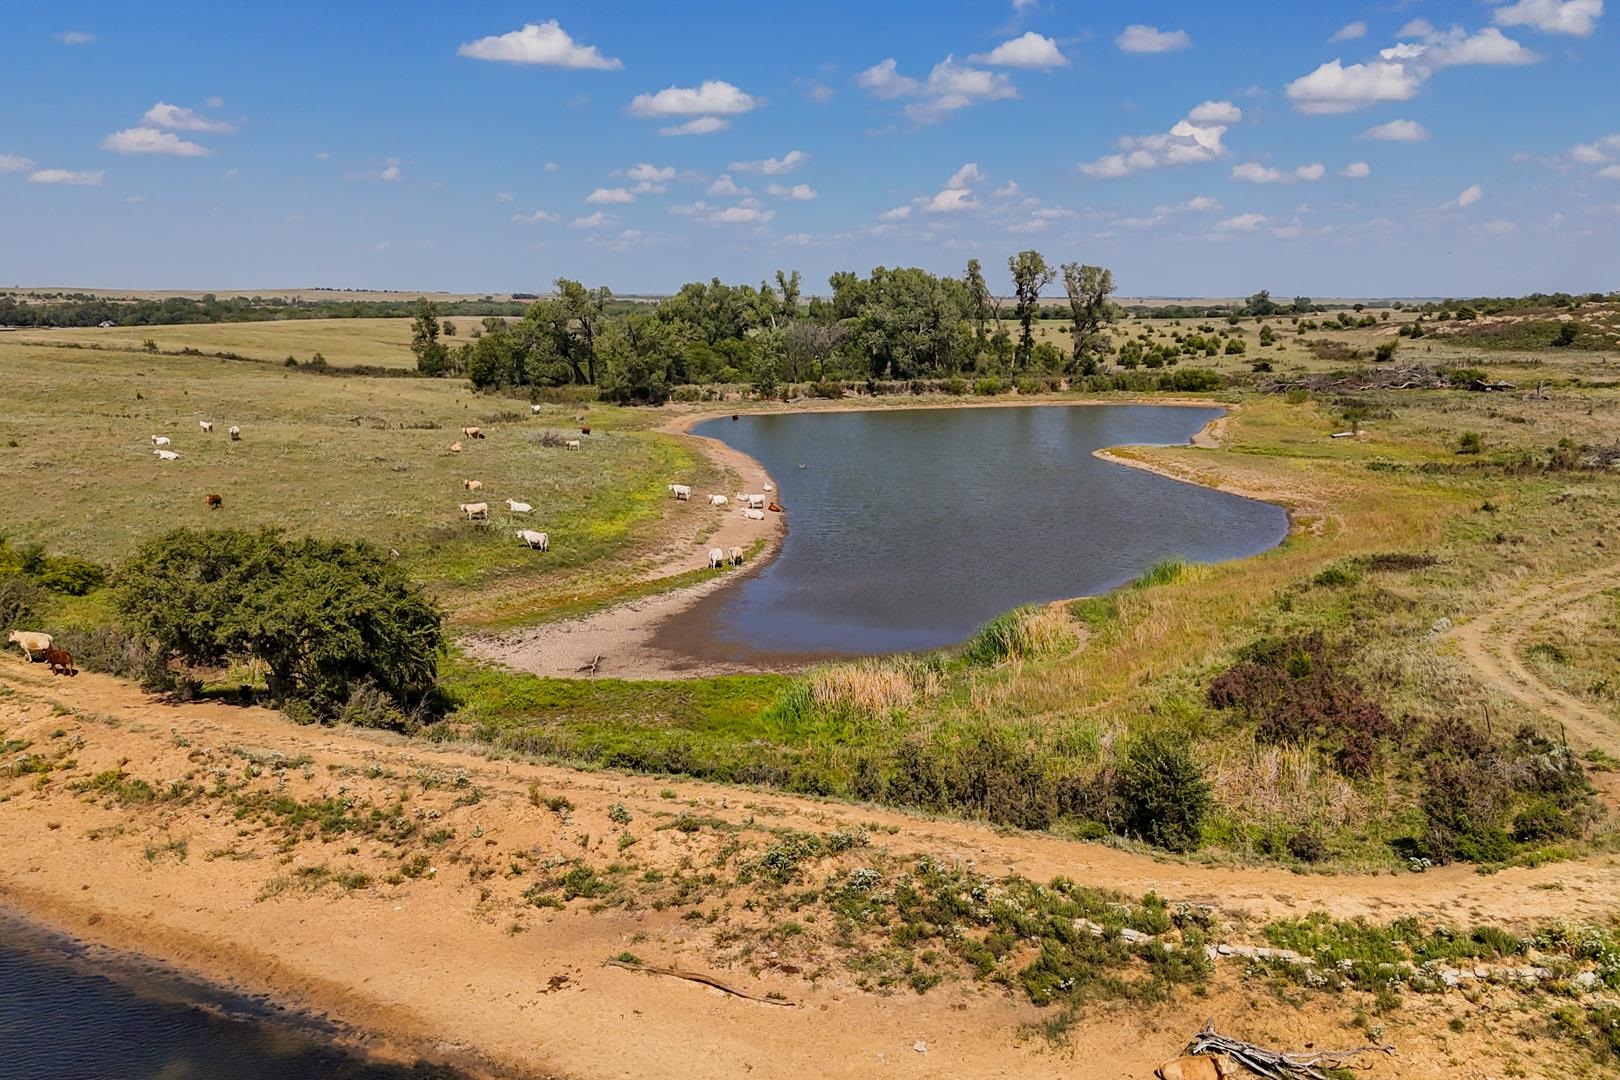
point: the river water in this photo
(68, 1012)
(908, 528)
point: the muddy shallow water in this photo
(69, 1012)
(909, 528)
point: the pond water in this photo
(908, 528)
(68, 1012)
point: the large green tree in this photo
(1088, 288)
(323, 616)
(1030, 275)
(432, 356)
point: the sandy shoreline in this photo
(624, 642)
(452, 964)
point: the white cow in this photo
(718, 500)
(736, 556)
(160, 440)
(717, 558)
(754, 515)
(30, 642)
(538, 541)
(768, 488)
(207, 426)
(534, 410)
(235, 433)
(518, 507)
(475, 511)
(756, 502)
(473, 485)
(680, 491)
(166, 455)
(571, 444)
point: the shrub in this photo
(955, 385)
(828, 389)
(1026, 633)
(1191, 380)
(1163, 793)
(323, 616)
(76, 577)
(1386, 350)
(20, 603)
(1308, 846)
(1469, 443)
(989, 387)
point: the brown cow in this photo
(60, 661)
(584, 430)
(472, 433)
(1199, 1067)
(214, 501)
(775, 507)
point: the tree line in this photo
(79, 310)
(900, 323)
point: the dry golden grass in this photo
(867, 686)
(343, 342)
(1280, 787)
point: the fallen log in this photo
(1274, 1064)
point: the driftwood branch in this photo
(1273, 1064)
(697, 977)
(592, 666)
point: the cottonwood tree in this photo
(432, 357)
(1089, 288)
(1030, 275)
(978, 300)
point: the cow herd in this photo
(753, 505)
(479, 511)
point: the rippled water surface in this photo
(908, 528)
(71, 1014)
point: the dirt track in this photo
(1492, 643)
(433, 963)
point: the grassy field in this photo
(345, 342)
(353, 457)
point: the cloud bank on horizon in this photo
(1331, 149)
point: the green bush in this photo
(1163, 791)
(1191, 380)
(21, 603)
(1470, 443)
(323, 616)
(955, 385)
(827, 388)
(989, 387)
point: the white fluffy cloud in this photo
(592, 221)
(798, 192)
(1596, 152)
(1251, 172)
(533, 219)
(1336, 88)
(1610, 173)
(787, 163)
(725, 185)
(10, 163)
(1397, 131)
(390, 174)
(1399, 72)
(503, 196)
(1242, 223)
(1350, 32)
(1215, 112)
(966, 176)
(703, 125)
(1415, 29)
(610, 197)
(1356, 170)
(1191, 141)
(1150, 39)
(650, 174)
(145, 140)
(1578, 17)
(899, 213)
(950, 86)
(742, 215)
(164, 115)
(67, 176)
(75, 37)
(950, 201)
(539, 43)
(1467, 198)
(713, 98)
(1030, 50)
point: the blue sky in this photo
(1202, 149)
